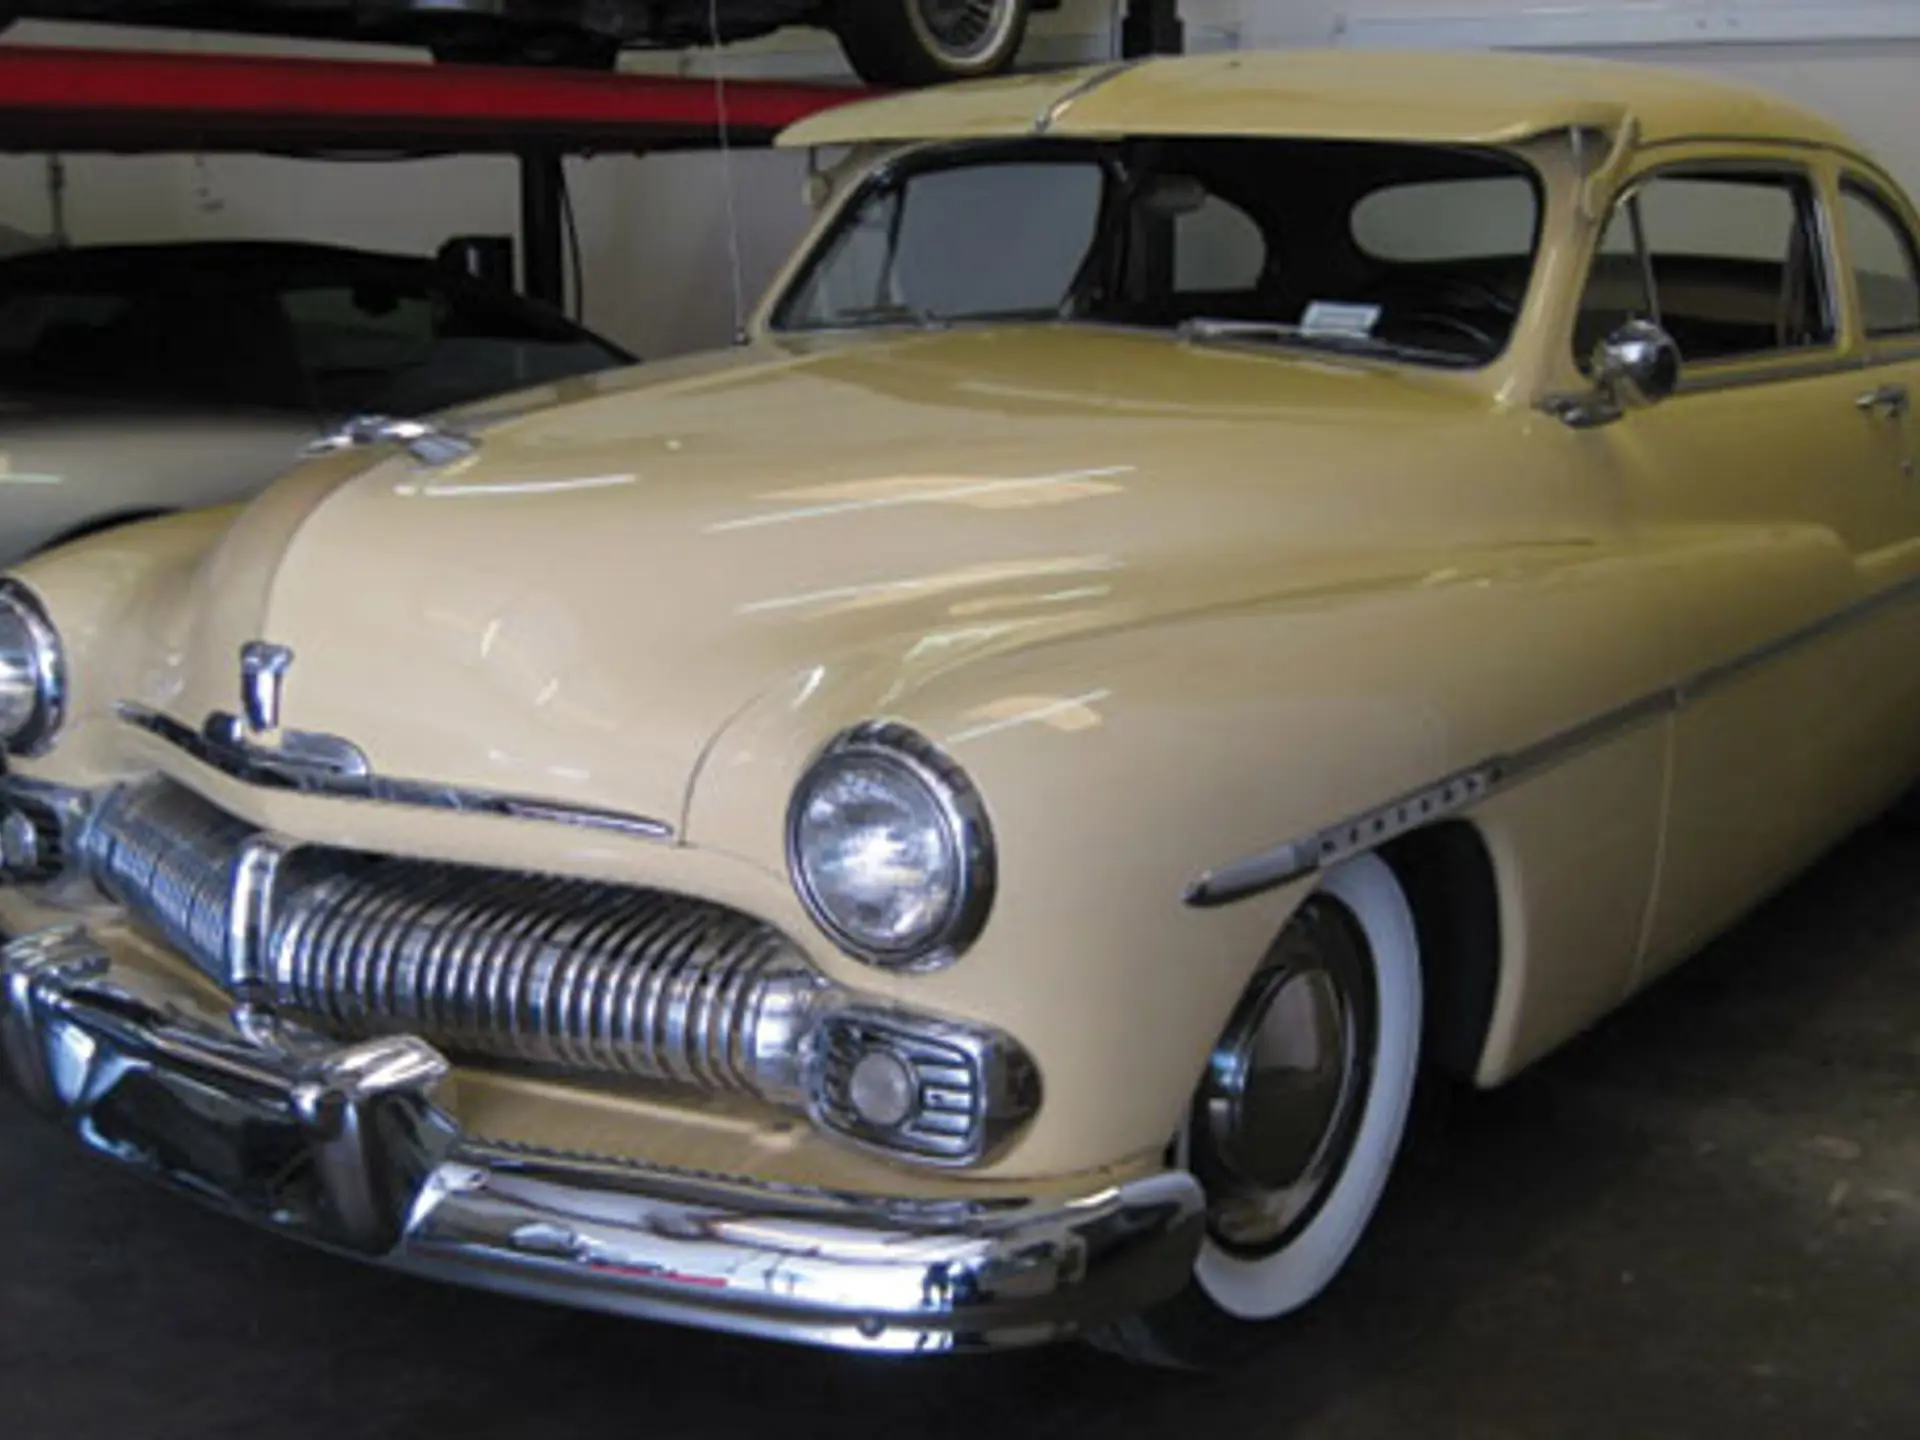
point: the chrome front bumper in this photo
(344, 1146)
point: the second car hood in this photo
(576, 610)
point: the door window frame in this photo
(1761, 367)
(1897, 345)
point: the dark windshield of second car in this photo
(319, 332)
(1416, 252)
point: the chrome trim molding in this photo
(349, 1147)
(1367, 830)
(50, 666)
(325, 765)
(263, 679)
(249, 951)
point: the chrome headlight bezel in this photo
(911, 759)
(47, 666)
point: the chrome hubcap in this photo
(963, 29)
(1276, 1116)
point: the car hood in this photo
(577, 609)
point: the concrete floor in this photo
(1701, 1220)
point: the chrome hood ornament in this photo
(426, 442)
(263, 674)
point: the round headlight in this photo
(890, 849)
(32, 673)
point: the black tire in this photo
(1287, 1215)
(925, 42)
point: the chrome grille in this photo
(565, 972)
(169, 856)
(573, 973)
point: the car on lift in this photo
(888, 42)
(137, 380)
(1214, 594)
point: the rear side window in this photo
(1885, 273)
(1728, 263)
(1217, 248)
(1439, 220)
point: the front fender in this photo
(1118, 766)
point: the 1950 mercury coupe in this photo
(1214, 589)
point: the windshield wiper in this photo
(1202, 328)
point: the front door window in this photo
(1727, 262)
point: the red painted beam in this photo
(133, 101)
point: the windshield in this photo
(320, 332)
(1416, 252)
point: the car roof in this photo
(1483, 98)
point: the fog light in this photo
(942, 1091)
(882, 1089)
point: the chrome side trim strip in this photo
(1369, 829)
(256, 766)
(1737, 374)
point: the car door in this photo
(1876, 237)
(1776, 475)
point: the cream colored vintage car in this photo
(1215, 589)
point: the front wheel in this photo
(922, 42)
(1297, 1122)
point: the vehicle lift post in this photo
(1152, 27)
(542, 267)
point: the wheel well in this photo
(1449, 881)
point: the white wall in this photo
(654, 230)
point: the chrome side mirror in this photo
(1638, 364)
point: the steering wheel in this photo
(1458, 324)
(1436, 301)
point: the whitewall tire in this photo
(1296, 1127)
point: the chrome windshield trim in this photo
(255, 765)
(1369, 829)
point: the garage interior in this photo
(1700, 1219)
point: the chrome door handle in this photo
(1891, 401)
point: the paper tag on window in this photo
(1337, 317)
